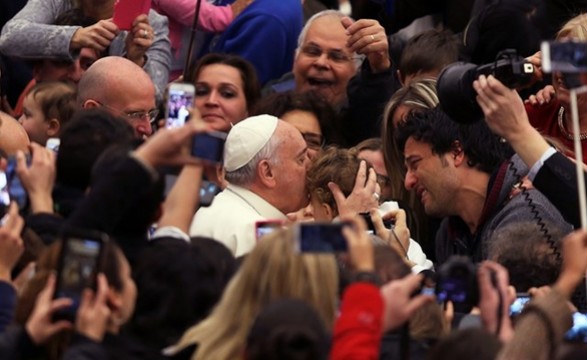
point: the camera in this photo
(320, 237)
(455, 83)
(455, 281)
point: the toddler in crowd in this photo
(341, 166)
(47, 108)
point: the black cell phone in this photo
(518, 305)
(208, 190)
(15, 188)
(209, 146)
(320, 237)
(564, 56)
(80, 261)
(578, 333)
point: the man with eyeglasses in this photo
(122, 88)
(331, 51)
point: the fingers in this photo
(337, 193)
(47, 293)
(102, 291)
(366, 35)
(21, 165)
(361, 176)
(377, 220)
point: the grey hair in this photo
(333, 13)
(246, 174)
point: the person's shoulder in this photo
(157, 19)
(267, 10)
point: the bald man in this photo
(122, 88)
(13, 137)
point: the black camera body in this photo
(456, 281)
(455, 83)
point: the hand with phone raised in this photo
(38, 179)
(495, 299)
(169, 147)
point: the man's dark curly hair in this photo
(484, 150)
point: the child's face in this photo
(33, 121)
(320, 210)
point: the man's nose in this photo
(410, 181)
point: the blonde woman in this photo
(273, 270)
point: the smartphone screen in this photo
(208, 190)
(518, 305)
(179, 99)
(321, 237)
(266, 227)
(578, 333)
(78, 269)
(209, 146)
(4, 195)
(566, 56)
(453, 289)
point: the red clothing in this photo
(18, 109)
(545, 119)
(358, 330)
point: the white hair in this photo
(332, 13)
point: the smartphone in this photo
(209, 146)
(208, 190)
(565, 56)
(578, 333)
(389, 224)
(320, 237)
(126, 11)
(80, 261)
(15, 188)
(53, 144)
(180, 97)
(266, 227)
(518, 305)
(4, 194)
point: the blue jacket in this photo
(265, 34)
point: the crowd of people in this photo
(349, 215)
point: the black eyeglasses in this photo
(151, 115)
(336, 56)
(314, 141)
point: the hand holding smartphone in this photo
(80, 260)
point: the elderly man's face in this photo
(290, 168)
(323, 62)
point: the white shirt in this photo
(231, 218)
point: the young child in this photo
(340, 166)
(47, 108)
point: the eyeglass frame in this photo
(135, 115)
(336, 56)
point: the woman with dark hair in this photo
(308, 112)
(227, 88)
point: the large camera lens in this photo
(456, 94)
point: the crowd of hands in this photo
(169, 147)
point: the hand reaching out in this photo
(362, 198)
(93, 313)
(97, 36)
(38, 179)
(139, 39)
(11, 245)
(40, 326)
(368, 37)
